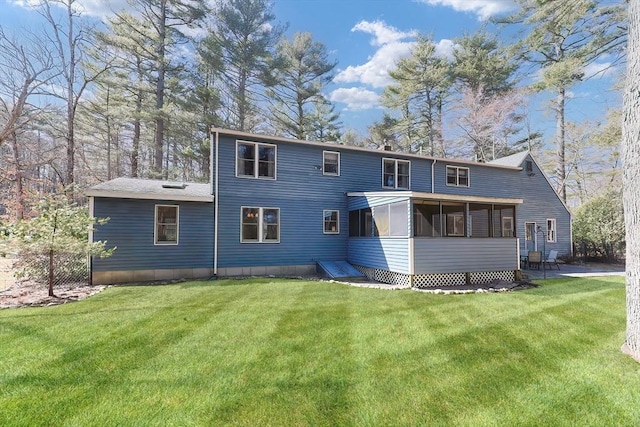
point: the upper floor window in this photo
(255, 160)
(551, 230)
(396, 173)
(166, 225)
(331, 163)
(457, 176)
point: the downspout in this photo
(215, 200)
(433, 176)
(90, 257)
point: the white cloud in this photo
(598, 69)
(96, 8)
(375, 71)
(483, 8)
(444, 49)
(356, 98)
(384, 34)
(393, 45)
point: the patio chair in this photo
(552, 259)
(534, 259)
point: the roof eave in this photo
(147, 196)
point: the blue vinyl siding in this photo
(385, 254)
(454, 255)
(542, 202)
(130, 228)
(302, 192)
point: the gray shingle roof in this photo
(513, 160)
(133, 188)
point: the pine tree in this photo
(561, 38)
(421, 86)
(245, 38)
(300, 71)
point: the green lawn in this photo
(287, 352)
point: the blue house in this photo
(279, 207)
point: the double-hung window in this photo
(166, 225)
(457, 176)
(331, 163)
(331, 221)
(255, 160)
(260, 225)
(551, 230)
(396, 173)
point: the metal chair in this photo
(535, 259)
(552, 259)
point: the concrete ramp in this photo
(337, 269)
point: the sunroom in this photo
(427, 239)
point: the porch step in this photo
(337, 269)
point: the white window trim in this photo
(324, 161)
(554, 228)
(256, 162)
(395, 174)
(324, 230)
(260, 225)
(155, 226)
(457, 184)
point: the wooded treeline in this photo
(82, 102)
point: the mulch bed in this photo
(29, 294)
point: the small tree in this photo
(598, 226)
(61, 228)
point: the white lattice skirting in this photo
(385, 276)
(435, 280)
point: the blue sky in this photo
(366, 37)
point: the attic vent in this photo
(387, 148)
(175, 185)
(528, 167)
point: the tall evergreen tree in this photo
(129, 42)
(158, 30)
(300, 71)
(422, 83)
(483, 74)
(245, 37)
(561, 38)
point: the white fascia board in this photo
(438, 196)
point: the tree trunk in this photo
(631, 181)
(135, 149)
(71, 149)
(51, 294)
(159, 137)
(18, 178)
(560, 144)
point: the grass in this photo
(288, 352)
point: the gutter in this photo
(433, 176)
